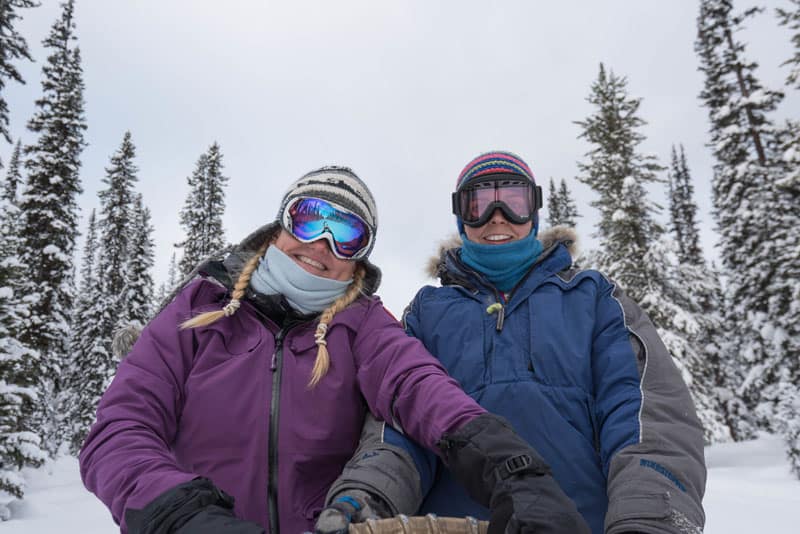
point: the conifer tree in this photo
(683, 210)
(618, 173)
(88, 278)
(756, 220)
(569, 212)
(12, 47)
(791, 414)
(114, 227)
(553, 205)
(13, 176)
(676, 302)
(561, 210)
(49, 212)
(201, 216)
(791, 19)
(139, 288)
(166, 287)
(19, 446)
(699, 293)
(85, 374)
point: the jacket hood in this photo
(549, 238)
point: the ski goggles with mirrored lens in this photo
(309, 219)
(517, 199)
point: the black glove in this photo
(501, 471)
(194, 507)
(352, 506)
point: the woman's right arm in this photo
(126, 459)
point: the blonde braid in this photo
(322, 363)
(236, 297)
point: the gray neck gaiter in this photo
(307, 293)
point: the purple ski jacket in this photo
(230, 402)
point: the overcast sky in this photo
(404, 92)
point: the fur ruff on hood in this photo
(550, 237)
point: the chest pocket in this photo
(229, 337)
(561, 325)
(333, 408)
(456, 336)
(509, 350)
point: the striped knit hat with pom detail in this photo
(493, 163)
(341, 186)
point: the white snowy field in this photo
(749, 490)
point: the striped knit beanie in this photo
(495, 162)
(338, 185)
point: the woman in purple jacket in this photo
(241, 402)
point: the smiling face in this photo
(315, 257)
(498, 230)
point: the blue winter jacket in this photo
(580, 372)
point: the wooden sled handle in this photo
(429, 524)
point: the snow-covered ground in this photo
(750, 490)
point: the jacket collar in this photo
(560, 246)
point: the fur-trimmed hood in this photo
(549, 238)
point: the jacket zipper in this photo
(276, 367)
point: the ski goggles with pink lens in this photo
(309, 219)
(517, 198)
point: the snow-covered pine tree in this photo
(676, 301)
(49, 211)
(788, 146)
(791, 414)
(139, 288)
(754, 217)
(618, 173)
(700, 295)
(12, 47)
(115, 233)
(683, 210)
(569, 211)
(553, 205)
(166, 287)
(85, 373)
(561, 210)
(14, 174)
(201, 216)
(791, 19)
(19, 446)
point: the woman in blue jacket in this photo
(563, 354)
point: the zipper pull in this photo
(278, 347)
(500, 310)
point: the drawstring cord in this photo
(499, 309)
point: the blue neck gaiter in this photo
(503, 265)
(307, 293)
